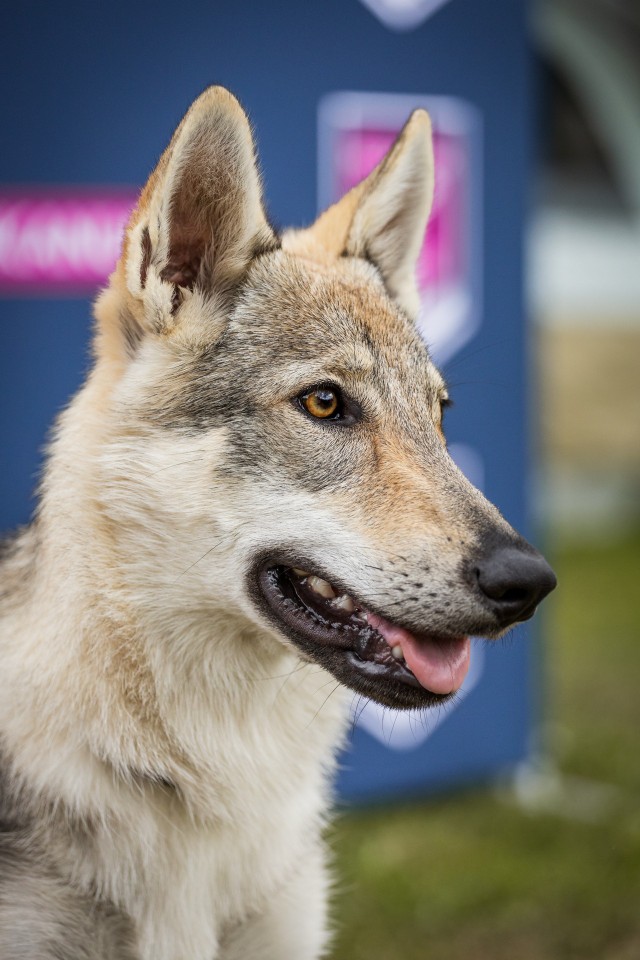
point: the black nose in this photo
(515, 581)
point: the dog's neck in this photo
(113, 705)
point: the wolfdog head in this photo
(269, 443)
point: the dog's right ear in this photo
(197, 224)
(383, 218)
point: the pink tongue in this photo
(438, 665)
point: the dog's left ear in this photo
(198, 223)
(383, 218)
(200, 216)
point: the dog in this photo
(247, 513)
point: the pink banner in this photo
(59, 243)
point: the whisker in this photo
(287, 678)
(171, 466)
(215, 546)
(393, 726)
(228, 537)
(324, 702)
(356, 718)
(279, 676)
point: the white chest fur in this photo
(186, 881)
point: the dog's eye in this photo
(323, 402)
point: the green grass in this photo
(474, 876)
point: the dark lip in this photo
(526, 615)
(355, 655)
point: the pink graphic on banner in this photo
(355, 132)
(443, 256)
(60, 243)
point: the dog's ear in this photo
(383, 218)
(199, 219)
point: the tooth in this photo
(344, 603)
(397, 652)
(300, 573)
(322, 587)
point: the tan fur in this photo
(169, 751)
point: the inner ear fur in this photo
(199, 219)
(383, 219)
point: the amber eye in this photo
(322, 403)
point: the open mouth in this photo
(361, 648)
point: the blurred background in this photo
(510, 827)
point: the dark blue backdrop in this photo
(91, 94)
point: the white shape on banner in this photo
(448, 324)
(409, 729)
(403, 14)
(469, 461)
